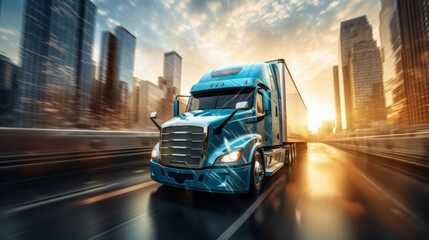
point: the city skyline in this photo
(355, 77)
(203, 48)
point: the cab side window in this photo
(259, 109)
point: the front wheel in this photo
(258, 173)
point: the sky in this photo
(212, 34)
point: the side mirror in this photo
(177, 103)
(153, 115)
(176, 107)
(266, 101)
(242, 105)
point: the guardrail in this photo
(409, 151)
(33, 153)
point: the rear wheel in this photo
(258, 174)
(294, 152)
(289, 159)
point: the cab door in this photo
(261, 121)
(275, 113)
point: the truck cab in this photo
(229, 137)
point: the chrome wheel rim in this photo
(258, 172)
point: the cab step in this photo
(273, 169)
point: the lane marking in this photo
(126, 222)
(57, 198)
(64, 196)
(392, 199)
(242, 219)
(116, 193)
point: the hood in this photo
(209, 116)
(241, 123)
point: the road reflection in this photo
(319, 211)
(195, 215)
(320, 197)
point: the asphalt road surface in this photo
(329, 194)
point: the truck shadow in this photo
(208, 215)
(226, 203)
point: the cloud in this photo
(213, 6)
(112, 22)
(183, 27)
(167, 3)
(7, 31)
(102, 12)
(182, 4)
(332, 5)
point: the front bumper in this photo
(215, 179)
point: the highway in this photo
(330, 193)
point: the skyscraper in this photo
(85, 64)
(148, 98)
(9, 73)
(326, 128)
(338, 124)
(56, 47)
(126, 48)
(404, 31)
(107, 70)
(352, 31)
(173, 69)
(366, 84)
(116, 70)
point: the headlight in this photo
(154, 154)
(230, 157)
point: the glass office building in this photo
(173, 69)
(126, 48)
(56, 47)
(393, 69)
(9, 74)
(404, 31)
(85, 64)
(107, 78)
(351, 32)
(338, 123)
(116, 70)
(366, 80)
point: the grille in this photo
(183, 146)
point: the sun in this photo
(315, 118)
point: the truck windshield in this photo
(221, 99)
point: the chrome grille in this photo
(183, 146)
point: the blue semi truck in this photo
(242, 123)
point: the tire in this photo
(289, 159)
(294, 152)
(257, 175)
